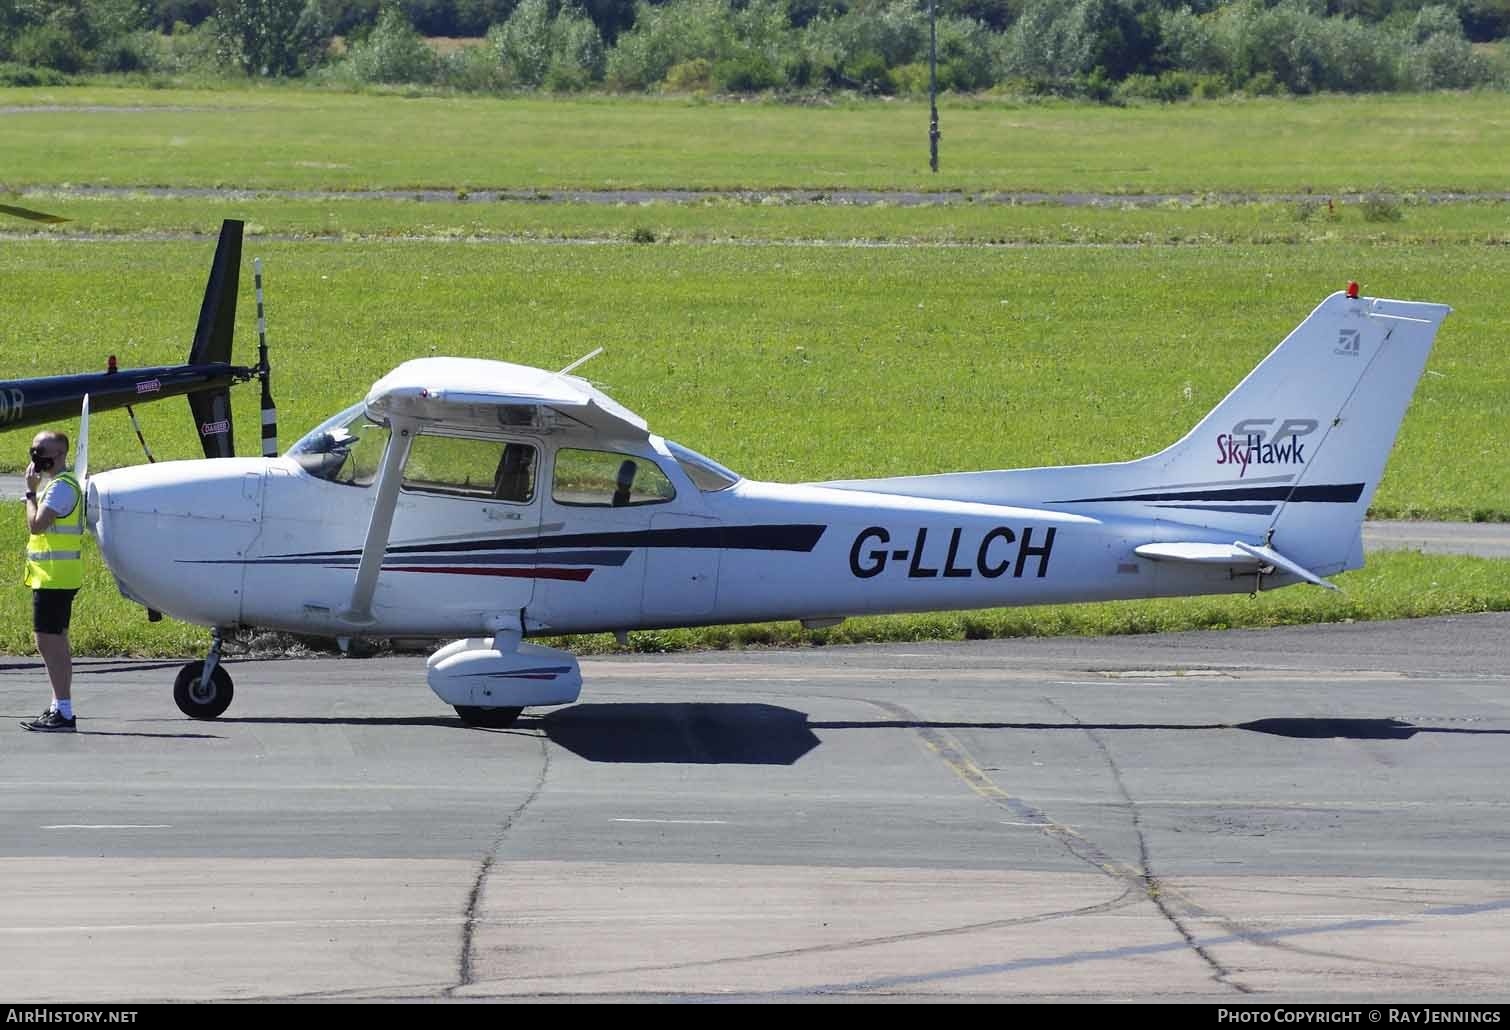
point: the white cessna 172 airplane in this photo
(490, 501)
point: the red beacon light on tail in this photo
(1352, 291)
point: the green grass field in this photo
(289, 137)
(1385, 220)
(792, 341)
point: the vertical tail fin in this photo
(1389, 342)
(1292, 455)
(1295, 452)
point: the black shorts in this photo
(51, 610)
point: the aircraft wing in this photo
(475, 393)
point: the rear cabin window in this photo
(604, 479)
(484, 470)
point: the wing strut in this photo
(390, 477)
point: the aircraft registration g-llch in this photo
(492, 502)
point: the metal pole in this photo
(933, 107)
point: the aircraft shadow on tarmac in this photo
(687, 734)
(1352, 729)
(1306, 728)
(762, 734)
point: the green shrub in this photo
(1434, 20)
(565, 76)
(745, 73)
(1445, 61)
(1165, 88)
(393, 52)
(1264, 84)
(966, 61)
(576, 45)
(189, 51)
(473, 69)
(665, 36)
(131, 52)
(48, 46)
(690, 76)
(867, 73)
(1210, 87)
(523, 43)
(1189, 41)
(1378, 207)
(272, 37)
(563, 53)
(12, 74)
(911, 80)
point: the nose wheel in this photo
(203, 689)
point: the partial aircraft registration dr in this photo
(491, 502)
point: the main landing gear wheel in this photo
(491, 718)
(198, 701)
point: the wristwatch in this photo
(31, 495)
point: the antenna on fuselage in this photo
(584, 359)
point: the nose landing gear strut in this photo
(203, 689)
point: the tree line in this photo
(1102, 49)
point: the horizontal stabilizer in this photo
(1270, 556)
(1236, 553)
(1205, 554)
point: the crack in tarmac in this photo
(1142, 879)
(1121, 901)
(1158, 892)
(465, 973)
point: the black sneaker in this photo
(51, 722)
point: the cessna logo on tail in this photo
(1347, 343)
(1250, 443)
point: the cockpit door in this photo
(465, 536)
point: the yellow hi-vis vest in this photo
(54, 559)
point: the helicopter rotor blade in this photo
(35, 216)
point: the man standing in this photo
(54, 568)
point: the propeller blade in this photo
(81, 459)
(35, 216)
(81, 455)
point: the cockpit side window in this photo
(457, 466)
(604, 479)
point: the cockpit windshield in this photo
(346, 448)
(706, 474)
